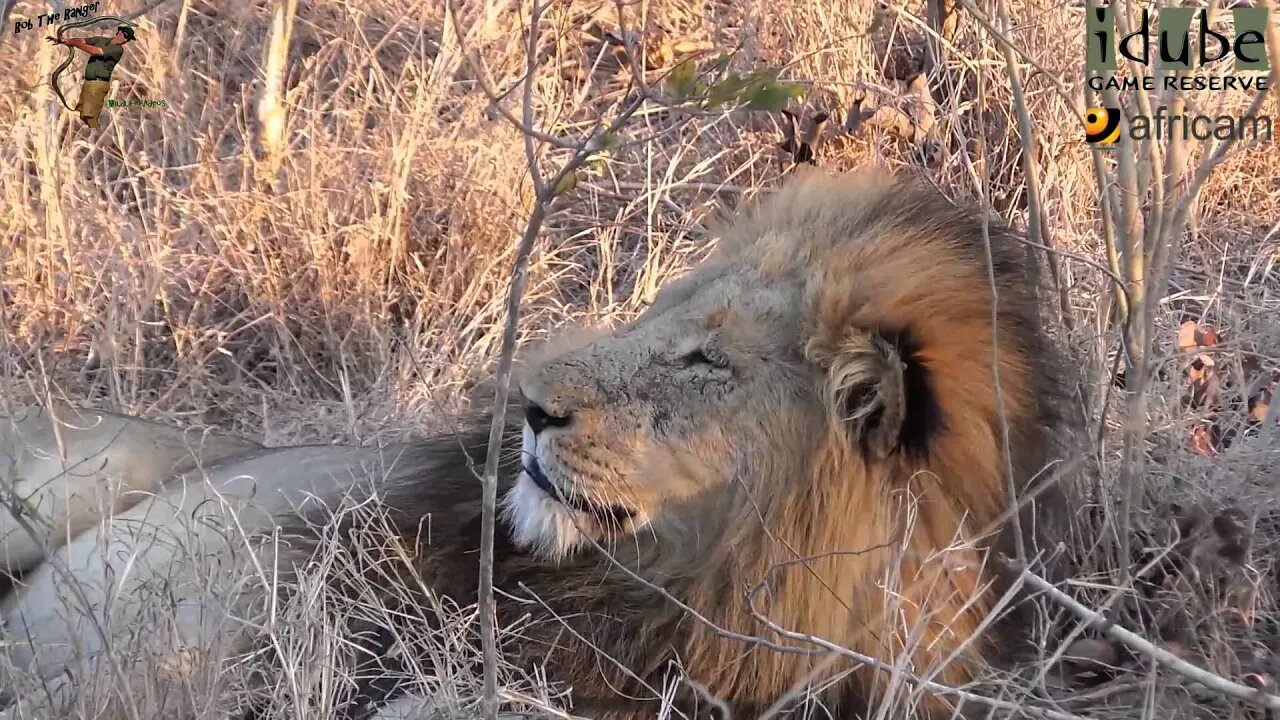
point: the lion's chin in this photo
(548, 528)
(539, 523)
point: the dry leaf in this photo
(1202, 441)
(688, 47)
(800, 137)
(1193, 335)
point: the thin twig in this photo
(546, 192)
(1037, 225)
(934, 688)
(1137, 643)
(1059, 87)
(483, 79)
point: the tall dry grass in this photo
(312, 241)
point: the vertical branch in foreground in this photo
(1037, 224)
(271, 113)
(1120, 198)
(502, 389)
(489, 502)
(545, 193)
(1131, 185)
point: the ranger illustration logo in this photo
(104, 54)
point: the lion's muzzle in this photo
(614, 515)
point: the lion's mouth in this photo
(608, 515)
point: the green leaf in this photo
(727, 90)
(680, 81)
(609, 141)
(721, 62)
(773, 97)
(565, 185)
(763, 75)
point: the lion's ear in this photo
(873, 387)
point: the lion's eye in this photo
(705, 356)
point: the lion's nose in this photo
(539, 419)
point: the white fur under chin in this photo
(539, 523)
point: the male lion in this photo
(801, 441)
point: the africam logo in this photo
(1102, 126)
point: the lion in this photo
(795, 461)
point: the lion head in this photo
(832, 402)
(709, 384)
(848, 316)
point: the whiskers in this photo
(556, 518)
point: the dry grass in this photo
(312, 243)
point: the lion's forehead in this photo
(640, 363)
(737, 301)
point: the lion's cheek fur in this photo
(665, 474)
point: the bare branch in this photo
(1139, 644)
(545, 194)
(934, 688)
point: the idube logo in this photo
(1247, 46)
(1170, 50)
